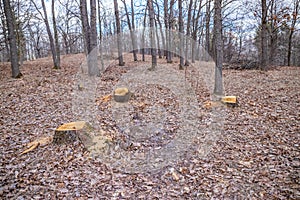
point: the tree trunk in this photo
(57, 49)
(143, 35)
(11, 25)
(181, 63)
(157, 41)
(292, 30)
(161, 31)
(195, 30)
(264, 53)
(52, 45)
(218, 89)
(170, 37)
(4, 32)
(133, 33)
(188, 26)
(166, 19)
(131, 28)
(207, 31)
(152, 35)
(119, 37)
(93, 55)
(85, 25)
(100, 36)
(90, 35)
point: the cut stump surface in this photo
(74, 131)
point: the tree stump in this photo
(229, 100)
(74, 131)
(122, 95)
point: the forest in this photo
(149, 99)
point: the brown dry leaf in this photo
(211, 104)
(263, 133)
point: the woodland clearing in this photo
(255, 157)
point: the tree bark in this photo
(188, 26)
(161, 31)
(207, 31)
(100, 36)
(170, 37)
(90, 35)
(292, 30)
(181, 63)
(166, 19)
(157, 40)
(119, 37)
(218, 89)
(93, 54)
(152, 34)
(196, 20)
(11, 25)
(85, 25)
(143, 34)
(57, 49)
(131, 28)
(52, 45)
(264, 53)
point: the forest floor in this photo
(256, 156)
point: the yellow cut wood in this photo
(72, 126)
(122, 95)
(34, 144)
(229, 99)
(121, 91)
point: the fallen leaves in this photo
(256, 157)
(212, 104)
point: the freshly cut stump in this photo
(229, 100)
(122, 95)
(74, 131)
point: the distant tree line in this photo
(266, 31)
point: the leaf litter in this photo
(255, 157)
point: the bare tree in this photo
(218, 89)
(131, 27)
(161, 30)
(166, 19)
(196, 20)
(207, 30)
(90, 35)
(152, 35)
(11, 25)
(44, 16)
(264, 53)
(5, 46)
(292, 29)
(170, 25)
(181, 63)
(143, 34)
(188, 26)
(56, 39)
(119, 37)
